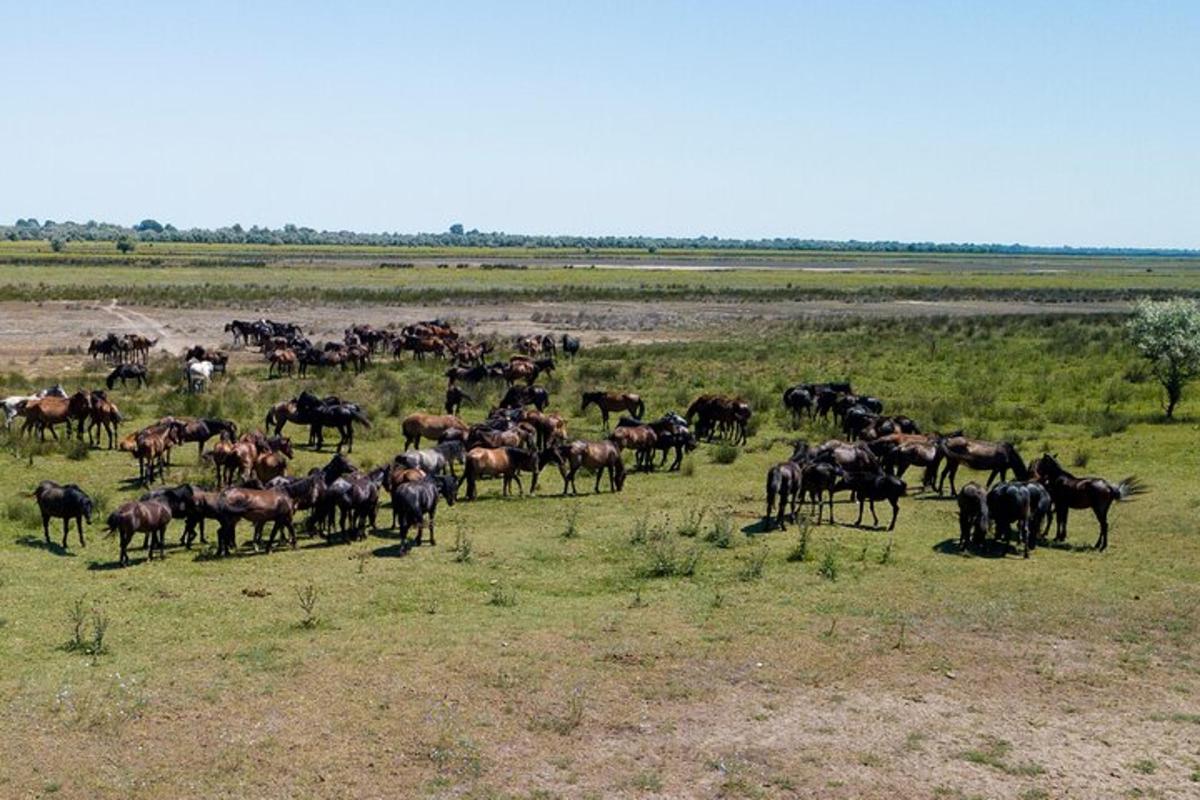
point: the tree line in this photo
(150, 230)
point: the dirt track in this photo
(49, 333)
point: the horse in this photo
(609, 402)
(126, 372)
(198, 375)
(570, 346)
(431, 426)
(340, 416)
(433, 460)
(149, 516)
(799, 401)
(201, 430)
(1008, 503)
(282, 362)
(103, 416)
(599, 457)
(996, 457)
(899, 451)
(259, 506)
(46, 412)
(455, 397)
(68, 502)
(783, 481)
(720, 414)
(519, 369)
(506, 462)
(413, 501)
(521, 396)
(641, 439)
(872, 486)
(973, 518)
(1069, 491)
(14, 403)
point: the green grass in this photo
(443, 658)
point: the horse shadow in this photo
(109, 566)
(1067, 547)
(760, 527)
(990, 549)
(397, 550)
(41, 544)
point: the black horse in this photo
(414, 501)
(68, 502)
(320, 414)
(570, 346)
(127, 372)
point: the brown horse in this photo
(641, 439)
(899, 451)
(149, 516)
(431, 426)
(103, 416)
(270, 465)
(258, 506)
(46, 412)
(995, 457)
(1069, 492)
(599, 457)
(506, 462)
(283, 362)
(614, 402)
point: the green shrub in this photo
(725, 453)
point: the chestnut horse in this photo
(610, 402)
(506, 462)
(431, 426)
(150, 516)
(996, 457)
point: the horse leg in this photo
(1102, 517)
(874, 516)
(895, 512)
(517, 477)
(1060, 518)
(79, 525)
(432, 514)
(861, 504)
(599, 475)
(66, 530)
(46, 526)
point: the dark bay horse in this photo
(1069, 492)
(995, 457)
(609, 402)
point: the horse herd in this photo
(870, 464)
(517, 439)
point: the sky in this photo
(1041, 123)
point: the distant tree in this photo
(456, 229)
(149, 225)
(125, 244)
(58, 244)
(1167, 334)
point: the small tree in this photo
(58, 244)
(125, 244)
(1167, 334)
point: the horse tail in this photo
(1129, 488)
(361, 417)
(641, 408)
(270, 420)
(770, 493)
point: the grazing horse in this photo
(282, 362)
(852, 457)
(430, 426)
(103, 416)
(46, 412)
(609, 402)
(783, 481)
(68, 502)
(972, 515)
(259, 506)
(872, 486)
(413, 501)
(570, 346)
(899, 451)
(455, 397)
(433, 460)
(15, 403)
(642, 440)
(1069, 492)
(521, 396)
(523, 369)
(473, 374)
(599, 457)
(126, 372)
(720, 414)
(1008, 503)
(799, 401)
(819, 480)
(201, 430)
(996, 457)
(137, 516)
(506, 462)
(198, 375)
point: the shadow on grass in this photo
(990, 549)
(396, 550)
(41, 544)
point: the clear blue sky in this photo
(1039, 122)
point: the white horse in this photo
(16, 403)
(199, 375)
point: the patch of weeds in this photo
(502, 596)
(647, 781)
(664, 559)
(463, 548)
(1081, 458)
(887, 557)
(1144, 766)
(641, 531)
(725, 453)
(829, 566)
(1035, 793)
(693, 521)
(306, 597)
(754, 564)
(688, 468)
(571, 528)
(88, 628)
(720, 532)
(800, 550)
(570, 717)
(638, 601)
(994, 753)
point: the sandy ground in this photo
(47, 334)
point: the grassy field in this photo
(158, 274)
(647, 644)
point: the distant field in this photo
(158, 274)
(874, 665)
